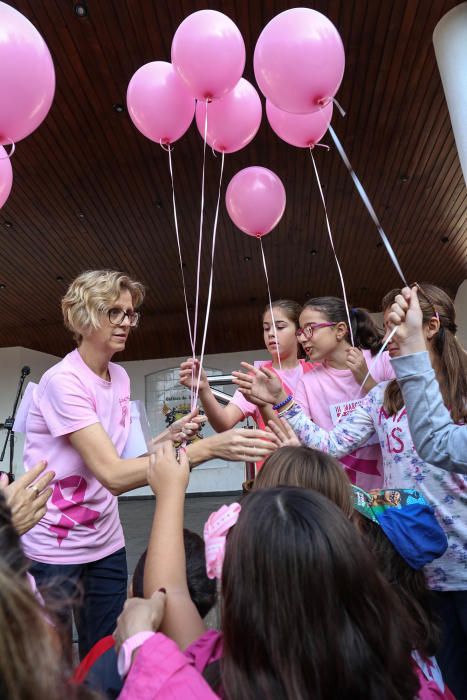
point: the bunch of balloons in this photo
(208, 58)
(27, 85)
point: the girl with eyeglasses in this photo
(79, 421)
(383, 413)
(332, 389)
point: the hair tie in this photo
(216, 530)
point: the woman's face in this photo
(323, 341)
(285, 329)
(111, 338)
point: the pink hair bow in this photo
(215, 533)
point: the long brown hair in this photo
(310, 469)
(306, 613)
(365, 332)
(451, 358)
(30, 664)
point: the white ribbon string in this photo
(180, 259)
(339, 107)
(373, 363)
(208, 304)
(198, 271)
(12, 150)
(367, 204)
(347, 309)
(270, 304)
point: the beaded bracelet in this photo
(280, 405)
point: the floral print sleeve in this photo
(349, 434)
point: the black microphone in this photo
(25, 371)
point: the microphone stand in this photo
(8, 425)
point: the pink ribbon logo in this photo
(73, 513)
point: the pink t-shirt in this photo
(82, 522)
(290, 377)
(325, 387)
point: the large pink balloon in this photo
(27, 76)
(299, 60)
(255, 200)
(233, 120)
(158, 102)
(209, 54)
(6, 176)
(303, 130)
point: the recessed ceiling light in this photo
(81, 215)
(59, 278)
(158, 204)
(80, 9)
(8, 224)
(313, 252)
(247, 258)
(119, 108)
(404, 178)
(445, 239)
(379, 244)
(2, 286)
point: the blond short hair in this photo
(92, 294)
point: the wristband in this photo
(125, 654)
(280, 405)
(286, 409)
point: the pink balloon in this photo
(209, 54)
(233, 121)
(6, 176)
(255, 200)
(299, 60)
(303, 130)
(158, 102)
(27, 76)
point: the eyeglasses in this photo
(117, 316)
(309, 329)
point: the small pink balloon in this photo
(158, 102)
(233, 121)
(299, 60)
(6, 176)
(27, 76)
(303, 130)
(255, 200)
(208, 52)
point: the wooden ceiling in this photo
(90, 191)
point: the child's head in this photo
(202, 589)
(404, 535)
(325, 327)
(449, 359)
(305, 611)
(310, 469)
(286, 313)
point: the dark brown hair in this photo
(452, 360)
(306, 613)
(291, 308)
(365, 332)
(310, 469)
(408, 584)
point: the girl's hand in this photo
(188, 376)
(283, 432)
(140, 615)
(356, 362)
(260, 384)
(181, 430)
(407, 315)
(164, 472)
(243, 445)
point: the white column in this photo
(450, 42)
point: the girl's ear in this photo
(341, 330)
(432, 328)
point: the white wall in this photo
(461, 313)
(212, 476)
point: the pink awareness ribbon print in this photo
(73, 512)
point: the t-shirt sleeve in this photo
(301, 398)
(383, 371)
(247, 408)
(65, 405)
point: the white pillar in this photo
(450, 42)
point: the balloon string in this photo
(367, 204)
(13, 149)
(373, 363)
(347, 309)
(208, 305)
(200, 243)
(339, 107)
(180, 259)
(270, 303)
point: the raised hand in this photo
(188, 375)
(356, 362)
(165, 473)
(407, 315)
(283, 432)
(181, 430)
(243, 445)
(260, 384)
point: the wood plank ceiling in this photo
(90, 191)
